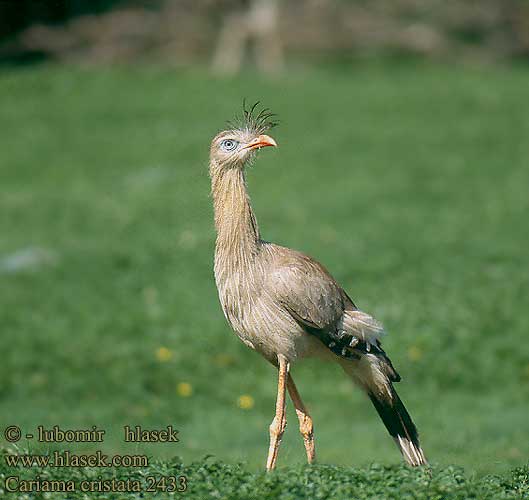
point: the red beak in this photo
(261, 142)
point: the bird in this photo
(285, 305)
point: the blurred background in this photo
(186, 31)
(402, 167)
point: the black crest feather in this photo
(254, 120)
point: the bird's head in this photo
(236, 146)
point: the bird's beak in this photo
(261, 142)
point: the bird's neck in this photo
(238, 237)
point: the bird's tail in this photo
(375, 376)
(400, 425)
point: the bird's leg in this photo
(277, 427)
(305, 420)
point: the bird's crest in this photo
(254, 120)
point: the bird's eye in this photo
(228, 144)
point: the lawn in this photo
(409, 182)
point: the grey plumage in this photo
(284, 304)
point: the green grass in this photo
(409, 183)
(209, 478)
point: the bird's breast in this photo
(260, 322)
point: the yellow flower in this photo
(223, 359)
(415, 353)
(163, 354)
(184, 389)
(245, 402)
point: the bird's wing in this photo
(304, 288)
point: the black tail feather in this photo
(400, 426)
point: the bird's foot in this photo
(277, 429)
(306, 429)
